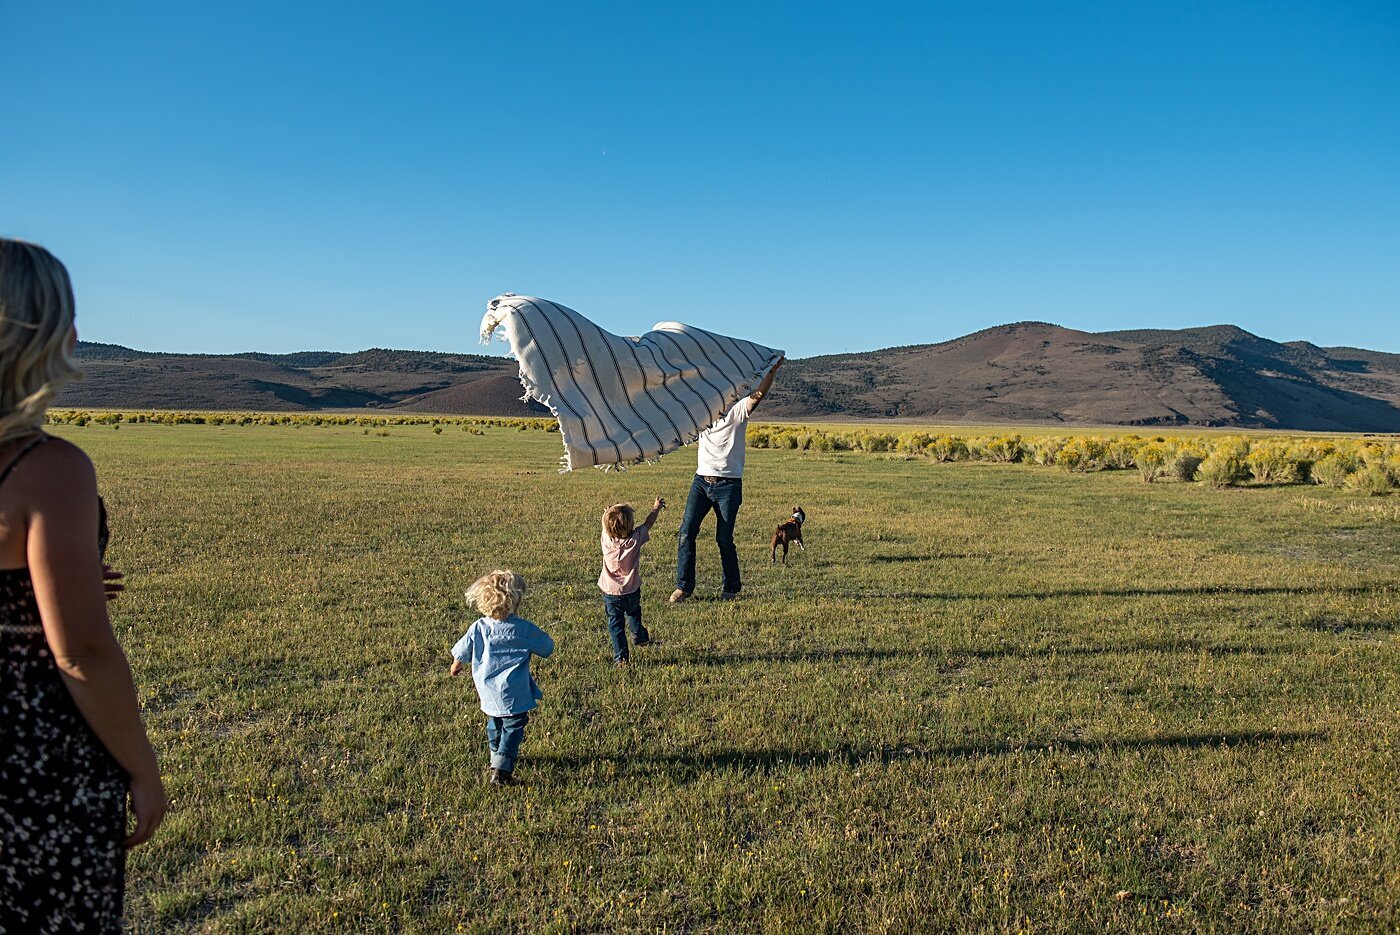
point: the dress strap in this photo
(35, 443)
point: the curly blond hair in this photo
(619, 520)
(36, 335)
(498, 593)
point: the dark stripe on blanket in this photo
(737, 366)
(723, 405)
(559, 345)
(750, 352)
(598, 386)
(607, 340)
(632, 346)
(675, 376)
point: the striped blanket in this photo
(623, 400)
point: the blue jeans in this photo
(723, 496)
(503, 736)
(628, 607)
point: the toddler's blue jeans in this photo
(622, 607)
(503, 736)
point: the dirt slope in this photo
(1023, 372)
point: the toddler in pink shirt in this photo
(621, 578)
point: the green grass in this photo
(987, 698)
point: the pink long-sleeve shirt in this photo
(621, 558)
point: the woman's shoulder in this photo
(59, 452)
(55, 464)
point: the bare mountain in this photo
(1037, 372)
(1024, 372)
(118, 377)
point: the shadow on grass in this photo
(1333, 625)
(1099, 592)
(931, 557)
(856, 654)
(765, 760)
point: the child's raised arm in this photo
(656, 509)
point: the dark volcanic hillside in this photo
(118, 377)
(1026, 372)
(1036, 372)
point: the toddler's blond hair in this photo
(498, 593)
(619, 520)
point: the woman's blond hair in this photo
(36, 332)
(619, 520)
(498, 593)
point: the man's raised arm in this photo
(767, 384)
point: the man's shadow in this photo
(953, 654)
(1099, 592)
(691, 765)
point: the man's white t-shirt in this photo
(722, 444)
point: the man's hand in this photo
(767, 384)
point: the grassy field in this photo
(987, 698)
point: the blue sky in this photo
(815, 176)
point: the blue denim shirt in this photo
(499, 653)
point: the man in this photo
(718, 485)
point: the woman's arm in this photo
(68, 583)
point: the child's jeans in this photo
(628, 607)
(503, 736)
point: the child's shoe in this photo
(502, 777)
(678, 596)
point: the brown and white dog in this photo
(791, 531)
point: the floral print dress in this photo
(62, 796)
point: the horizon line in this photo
(486, 350)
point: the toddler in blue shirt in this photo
(498, 648)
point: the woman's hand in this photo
(111, 582)
(149, 805)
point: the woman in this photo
(72, 745)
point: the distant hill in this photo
(1038, 372)
(1024, 372)
(119, 377)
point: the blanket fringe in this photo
(489, 324)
